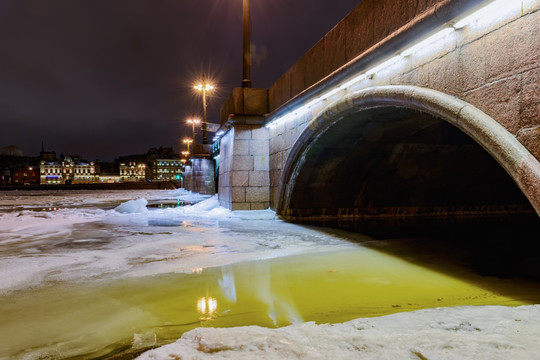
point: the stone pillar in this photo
(202, 176)
(187, 177)
(199, 174)
(244, 180)
(244, 177)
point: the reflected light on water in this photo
(207, 305)
(227, 283)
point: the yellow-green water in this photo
(102, 318)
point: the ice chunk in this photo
(207, 205)
(267, 214)
(133, 206)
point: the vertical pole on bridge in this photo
(246, 63)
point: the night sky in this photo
(106, 78)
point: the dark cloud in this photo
(104, 78)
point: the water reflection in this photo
(51, 209)
(227, 283)
(167, 204)
(323, 287)
(207, 306)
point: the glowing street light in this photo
(193, 121)
(185, 153)
(188, 142)
(204, 87)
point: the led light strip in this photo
(495, 9)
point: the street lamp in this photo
(204, 87)
(185, 153)
(188, 142)
(193, 121)
(246, 63)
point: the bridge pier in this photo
(199, 174)
(244, 179)
(333, 152)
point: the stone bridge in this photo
(405, 108)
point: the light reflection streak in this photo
(227, 283)
(279, 307)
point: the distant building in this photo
(85, 173)
(106, 178)
(11, 161)
(11, 150)
(5, 176)
(132, 172)
(68, 171)
(25, 175)
(51, 173)
(160, 164)
(49, 156)
(165, 170)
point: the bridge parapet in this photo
(365, 34)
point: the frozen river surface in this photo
(80, 236)
(114, 274)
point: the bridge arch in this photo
(416, 137)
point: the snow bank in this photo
(133, 207)
(210, 208)
(486, 332)
(207, 208)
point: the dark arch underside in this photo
(392, 161)
(406, 150)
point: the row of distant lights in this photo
(491, 10)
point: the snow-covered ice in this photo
(76, 237)
(457, 333)
(79, 236)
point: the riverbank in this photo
(154, 185)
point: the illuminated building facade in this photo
(165, 170)
(51, 173)
(84, 173)
(109, 178)
(132, 172)
(67, 171)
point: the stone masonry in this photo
(244, 168)
(493, 66)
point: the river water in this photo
(111, 275)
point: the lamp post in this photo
(204, 87)
(188, 142)
(193, 121)
(246, 63)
